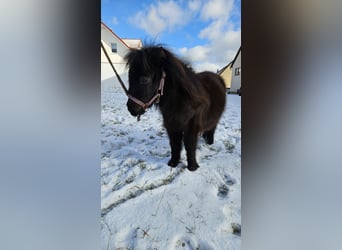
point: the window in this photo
(114, 49)
(237, 71)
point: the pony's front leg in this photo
(190, 143)
(176, 147)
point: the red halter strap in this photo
(155, 98)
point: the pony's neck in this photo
(171, 94)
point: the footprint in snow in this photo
(223, 191)
(229, 180)
(223, 188)
(236, 229)
(190, 243)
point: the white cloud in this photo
(206, 66)
(172, 13)
(197, 53)
(160, 17)
(214, 9)
(223, 39)
(150, 22)
(213, 30)
(215, 55)
(200, 56)
(115, 20)
(227, 45)
(194, 5)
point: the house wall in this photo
(227, 76)
(108, 79)
(107, 38)
(236, 79)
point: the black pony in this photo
(191, 103)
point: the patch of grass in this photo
(123, 133)
(229, 146)
(190, 230)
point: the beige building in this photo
(235, 86)
(116, 48)
(226, 74)
(231, 73)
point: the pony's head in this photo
(144, 76)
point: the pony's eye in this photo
(144, 80)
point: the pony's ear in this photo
(163, 56)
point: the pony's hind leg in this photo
(190, 143)
(176, 147)
(209, 136)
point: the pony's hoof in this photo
(173, 163)
(193, 167)
(209, 139)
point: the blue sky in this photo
(205, 32)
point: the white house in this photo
(235, 85)
(116, 48)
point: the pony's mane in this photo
(178, 71)
(143, 56)
(183, 73)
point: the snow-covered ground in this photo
(146, 204)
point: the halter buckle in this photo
(157, 99)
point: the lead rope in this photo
(154, 215)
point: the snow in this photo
(145, 204)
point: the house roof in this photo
(224, 68)
(229, 64)
(133, 43)
(129, 43)
(237, 53)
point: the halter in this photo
(155, 98)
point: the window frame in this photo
(114, 47)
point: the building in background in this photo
(235, 86)
(116, 48)
(226, 74)
(231, 74)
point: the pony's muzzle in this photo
(134, 108)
